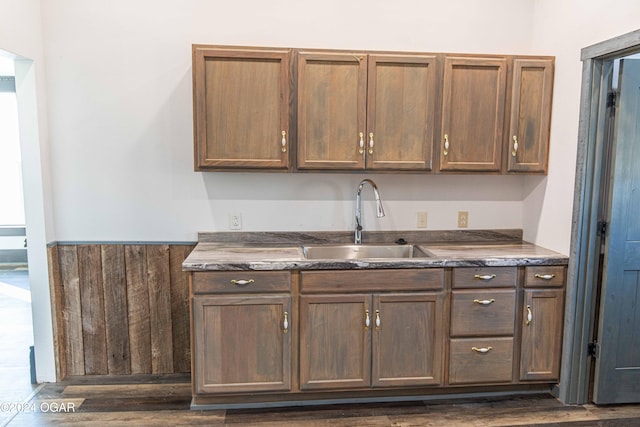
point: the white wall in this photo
(21, 39)
(563, 28)
(120, 104)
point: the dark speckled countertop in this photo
(283, 251)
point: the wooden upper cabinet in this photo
(358, 111)
(331, 110)
(401, 99)
(241, 108)
(474, 91)
(530, 115)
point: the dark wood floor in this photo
(167, 404)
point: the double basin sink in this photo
(365, 251)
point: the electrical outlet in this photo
(422, 220)
(463, 219)
(235, 221)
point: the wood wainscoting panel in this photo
(120, 309)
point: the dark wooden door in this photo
(617, 374)
(241, 108)
(401, 100)
(242, 343)
(407, 339)
(335, 341)
(541, 334)
(472, 114)
(331, 110)
(530, 115)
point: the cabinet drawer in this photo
(241, 281)
(491, 361)
(543, 276)
(372, 280)
(484, 277)
(483, 313)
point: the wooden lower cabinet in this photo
(282, 336)
(407, 339)
(483, 314)
(335, 343)
(364, 340)
(542, 334)
(241, 343)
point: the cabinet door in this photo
(472, 114)
(541, 334)
(241, 108)
(530, 115)
(400, 111)
(407, 339)
(331, 110)
(335, 341)
(242, 343)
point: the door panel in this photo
(331, 110)
(407, 339)
(472, 114)
(617, 376)
(241, 345)
(335, 342)
(542, 334)
(530, 115)
(241, 108)
(401, 103)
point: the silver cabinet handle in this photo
(482, 349)
(529, 316)
(484, 301)
(484, 276)
(367, 319)
(544, 276)
(242, 282)
(515, 146)
(285, 323)
(284, 141)
(377, 320)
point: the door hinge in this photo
(594, 350)
(602, 228)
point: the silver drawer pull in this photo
(484, 276)
(285, 323)
(242, 282)
(482, 350)
(484, 301)
(544, 276)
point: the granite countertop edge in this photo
(264, 254)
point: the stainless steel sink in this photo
(362, 251)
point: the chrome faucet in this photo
(379, 210)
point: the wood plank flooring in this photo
(165, 402)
